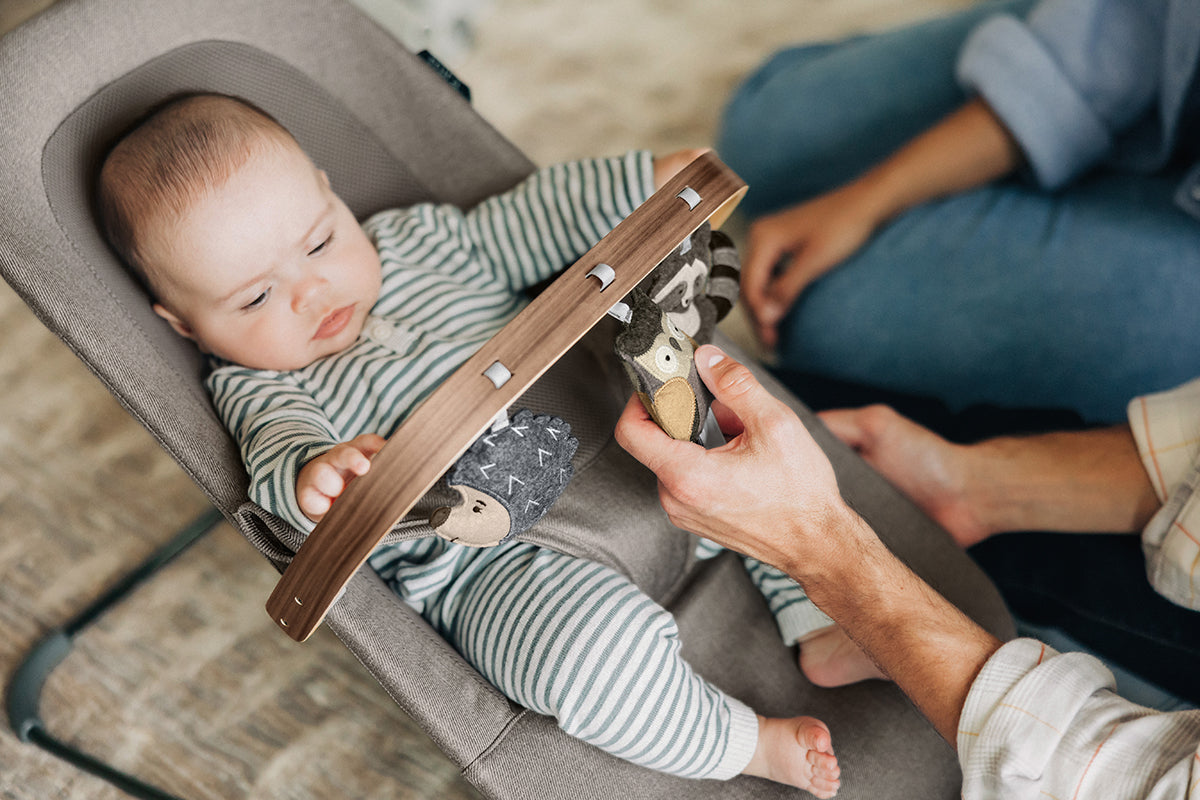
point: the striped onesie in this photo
(558, 634)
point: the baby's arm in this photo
(553, 217)
(279, 428)
(325, 477)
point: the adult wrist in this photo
(823, 541)
(879, 192)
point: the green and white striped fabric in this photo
(577, 641)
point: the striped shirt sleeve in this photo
(553, 217)
(279, 428)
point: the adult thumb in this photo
(732, 383)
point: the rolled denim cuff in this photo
(1009, 67)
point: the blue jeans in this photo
(1007, 294)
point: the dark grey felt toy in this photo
(674, 310)
(697, 284)
(508, 479)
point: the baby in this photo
(323, 334)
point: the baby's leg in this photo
(798, 752)
(827, 656)
(575, 640)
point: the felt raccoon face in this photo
(668, 355)
(697, 284)
(677, 295)
(679, 282)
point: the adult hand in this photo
(966, 149)
(768, 492)
(788, 250)
(926, 467)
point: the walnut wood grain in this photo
(439, 430)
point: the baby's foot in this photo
(798, 752)
(831, 658)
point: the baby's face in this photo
(271, 270)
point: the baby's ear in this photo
(179, 326)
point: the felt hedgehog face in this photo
(697, 283)
(659, 360)
(508, 479)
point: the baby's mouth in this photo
(335, 322)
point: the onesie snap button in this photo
(379, 330)
(395, 337)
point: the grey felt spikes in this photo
(508, 478)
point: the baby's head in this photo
(237, 235)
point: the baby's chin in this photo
(295, 358)
(289, 363)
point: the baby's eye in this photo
(321, 246)
(257, 302)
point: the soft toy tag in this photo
(508, 479)
(675, 309)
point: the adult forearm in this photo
(968, 148)
(917, 638)
(1082, 481)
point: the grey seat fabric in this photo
(391, 132)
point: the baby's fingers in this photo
(351, 459)
(368, 444)
(327, 479)
(313, 502)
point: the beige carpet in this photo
(576, 78)
(188, 684)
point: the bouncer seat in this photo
(390, 131)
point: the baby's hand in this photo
(324, 478)
(666, 166)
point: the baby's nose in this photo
(307, 293)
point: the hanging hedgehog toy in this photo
(508, 479)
